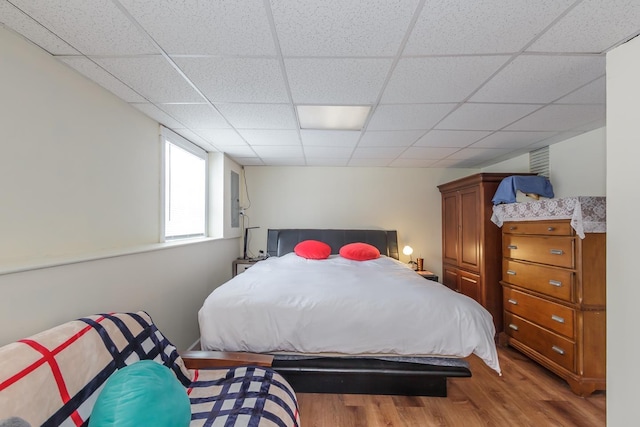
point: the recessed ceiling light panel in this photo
(333, 117)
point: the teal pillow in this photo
(145, 393)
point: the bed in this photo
(338, 325)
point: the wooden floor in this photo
(525, 395)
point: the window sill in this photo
(21, 266)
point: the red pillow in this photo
(359, 251)
(312, 249)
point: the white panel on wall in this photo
(623, 230)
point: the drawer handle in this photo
(557, 349)
(512, 301)
(513, 227)
(557, 318)
(512, 247)
(556, 251)
(551, 229)
(514, 327)
(555, 283)
(511, 272)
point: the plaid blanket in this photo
(243, 396)
(54, 378)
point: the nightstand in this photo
(428, 275)
(241, 264)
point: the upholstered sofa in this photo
(54, 378)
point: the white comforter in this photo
(381, 306)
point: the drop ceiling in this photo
(451, 83)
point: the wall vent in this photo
(539, 161)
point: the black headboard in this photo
(282, 241)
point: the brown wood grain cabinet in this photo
(471, 243)
(555, 299)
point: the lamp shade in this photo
(407, 250)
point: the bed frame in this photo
(361, 375)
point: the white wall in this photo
(577, 165)
(623, 232)
(406, 200)
(170, 284)
(80, 176)
(79, 168)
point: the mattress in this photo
(381, 306)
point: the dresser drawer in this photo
(553, 347)
(555, 317)
(550, 281)
(548, 228)
(544, 250)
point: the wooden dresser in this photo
(554, 299)
(471, 250)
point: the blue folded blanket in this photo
(506, 192)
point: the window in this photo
(185, 188)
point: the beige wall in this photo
(623, 232)
(406, 200)
(80, 178)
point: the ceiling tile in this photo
(478, 154)
(21, 23)
(94, 72)
(236, 79)
(468, 27)
(560, 117)
(450, 163)
(377, 152)
(408, 116)
(432, 153)
(275, 151)
(330, 138)
(222, 137)
(197, 116)
(317, 152)
(370, 163)
(395, 138)
(318, 161)
(152, 77)
(342, 28)
(540, 78)
(485, 116)
(158, 115)
(350, 81)
(270, 136)
(412, 163)
(592, 93)
(450, 138)
(205, 27)
(508, 139)
(285, 161)
(259, 116)
(93, 28)
(592, 26)
(442, 79)
(249, 161)
(237, 150)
